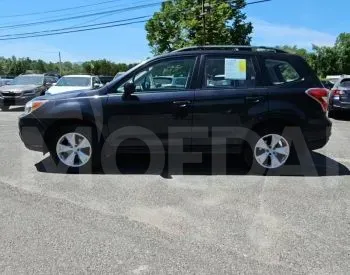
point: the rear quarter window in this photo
(281, 72)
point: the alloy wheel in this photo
(272, 151)
(74, 150)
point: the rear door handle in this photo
(254, 99)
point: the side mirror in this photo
(54, 84)
(129, 89)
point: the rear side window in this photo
(281, 72)
(345, 83)
(229, 72)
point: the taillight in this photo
(337, 92)
(320, 95)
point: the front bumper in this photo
(31, 132)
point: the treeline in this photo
(325, 61)
(15, 66)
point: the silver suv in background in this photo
(339, 99)
(24, 88)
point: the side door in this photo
(156, 105)
(228, 95)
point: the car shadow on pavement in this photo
(140, 164)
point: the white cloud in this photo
(270, 34)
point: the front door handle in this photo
(254, 99)
(182, 104)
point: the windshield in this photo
(28, 80)
(74, 81)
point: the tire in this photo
(261, 157)
(75, 149)
(5, 108)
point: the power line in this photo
(80, 16)
(257, 2)
(102, 16)
(23, 34)
(90, 27)
(109, 7)
(59, 10)
(73, 31)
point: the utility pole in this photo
(206, 7)
(203, 22)
(60, 60)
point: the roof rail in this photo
(231, 47)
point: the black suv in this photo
(233, 98)
(24, 88)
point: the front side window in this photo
(229, 72)
(168, 75)
(281, 72)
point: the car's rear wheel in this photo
(269, 150)
(74, 149)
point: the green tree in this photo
(295, 50)
(326, 61)
(179, 23)
(342, 47)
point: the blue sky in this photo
(294, 22)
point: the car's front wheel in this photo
(74, 149)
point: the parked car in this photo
(24, 88)
(105, 79)
(339, 99)
(74, 83)
(265, 90)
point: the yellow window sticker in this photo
(235, 69)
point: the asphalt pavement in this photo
(195, 222)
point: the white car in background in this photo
(70, 83)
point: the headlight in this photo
(31, 106)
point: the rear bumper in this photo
(16, 101)
(336, 104)
(318, 133)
